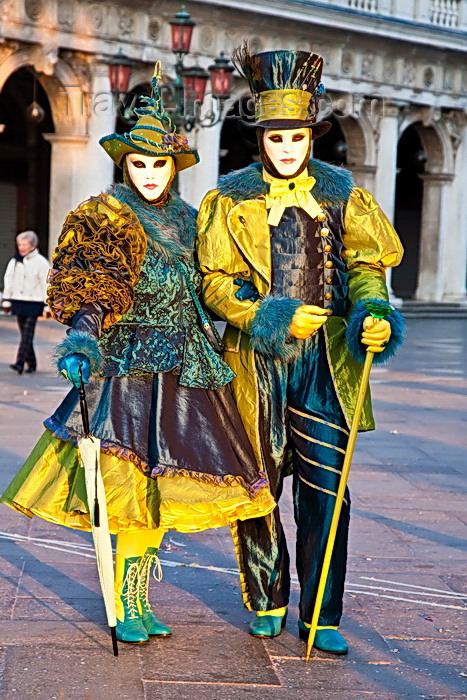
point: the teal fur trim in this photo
(170, 229)
(79, 342)
(355, 328)
(333, 184)
(270, 330)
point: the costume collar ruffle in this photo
(171, 229)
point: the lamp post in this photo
(119, 76)
(189, 86)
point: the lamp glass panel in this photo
(181, 37)
(221, 81)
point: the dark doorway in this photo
(238, 148)
(24, 164)
(411, 160)
(331, 147)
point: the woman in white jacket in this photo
(24, 294)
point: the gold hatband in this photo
(282, 104)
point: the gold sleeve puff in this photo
(98, 259)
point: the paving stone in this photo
(66, 609)
(365, 643)
(189, 656)
(63, 672)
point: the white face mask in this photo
(149, 174)
(287, 148)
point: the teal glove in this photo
(69, 366)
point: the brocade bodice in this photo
(160, 332)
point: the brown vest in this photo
(306, 259)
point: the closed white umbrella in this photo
(89, 450)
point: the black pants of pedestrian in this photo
(301, 418)
(26, 354)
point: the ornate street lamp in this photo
(120, 67)
(221, 77)
(119, 73)
(189, 87)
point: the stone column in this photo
(68, 168)
(434, 237)
(364, 176)
(196, 181)
(455, 251)
(99, 171)
(386, 168)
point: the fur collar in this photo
(170, 230)
(333, 184)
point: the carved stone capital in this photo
(79, 63)
(44, 58)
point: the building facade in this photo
(396, 91)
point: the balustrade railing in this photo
(365, 5)
(445, 13)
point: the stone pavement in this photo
(406, 597)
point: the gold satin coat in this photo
(234, 241)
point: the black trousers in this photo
(27, 326)
(301, 416)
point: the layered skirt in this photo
(171, 456)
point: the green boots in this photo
(151, 623)
(326, 638)
(130, 627)
(135, 619)
(264, 625)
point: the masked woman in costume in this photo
(174, 453)
(291, 249)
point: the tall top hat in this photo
(153, 134)
(285, 86)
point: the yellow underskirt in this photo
(51, 486)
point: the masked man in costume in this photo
(290, 249)
(174, 452)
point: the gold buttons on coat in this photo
(328, 280)
(327, 248)
(321, 217)
(328, 295)
(324, 231)
(328, 264)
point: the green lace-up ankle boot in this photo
(130, 626)
(151, 624)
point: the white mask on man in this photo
(287, 148)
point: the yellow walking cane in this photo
(377, 310)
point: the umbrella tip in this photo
(113, 633)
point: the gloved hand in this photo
(376, 333)
(307, 321)
(69, 367)
(247, 290)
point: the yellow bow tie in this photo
(290, 193)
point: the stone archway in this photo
(437, 178)
(236, 149)
(24, 162)
(411, 162)
(66, 137)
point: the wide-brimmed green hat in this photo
(149, 137)
(154, 134)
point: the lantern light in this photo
(182, 29)
(194, 82)
(221, 76)
(119, 72)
